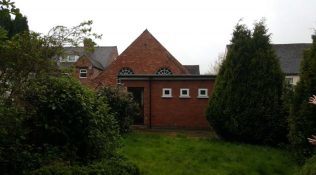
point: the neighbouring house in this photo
(290, 56)
(87, 66)
(171, 95)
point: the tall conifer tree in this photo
(302, 119)
(246, 103)
(19, 24)
(12, 26)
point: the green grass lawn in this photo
(172, 155)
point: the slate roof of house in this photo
(193, 69)
(290, 56)
(100, 58)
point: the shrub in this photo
(65, 115)
(309, 167)
(15, 156)
(246, 104)
(104, 167)
(121, 105)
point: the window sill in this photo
(166, 96)
(205, 97)
(184, 97)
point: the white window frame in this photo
(74, 58)
(203, 95)
(83, 71)
(184, 95)
(164, 95)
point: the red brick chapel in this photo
(171, 95)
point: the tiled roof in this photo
(290, 56)
(100, 58)
(193, 69)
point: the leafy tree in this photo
(73, 36)
(44, 117)
(246, 103)
(302, 119)
(24, 57)
(28, 54)
(121, 105)
(13, 26)
(5, 19)
(25, 130)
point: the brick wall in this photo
(84, 63)
(174, 112)
(144, 56)
(178, 112)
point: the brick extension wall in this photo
(174, 112)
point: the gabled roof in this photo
(145, 55)
(290, 56)
(193, 69)
(145, 38)
(100, 58)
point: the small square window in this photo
(184, 93)
(203, 93)
(83, 73)
(167, 92)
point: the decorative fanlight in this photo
(164, 71)
(126, 71)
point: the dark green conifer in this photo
(246, 103)
(19, 24)
(302, 121)
(11, 19)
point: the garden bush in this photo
(15, 155)
(65, 115)
(55, 119)
(309, 167)
(122, 105)
(104, 167)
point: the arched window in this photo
(126, 71)
(164, 71)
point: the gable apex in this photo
(147, 44)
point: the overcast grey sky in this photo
(194, 31)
